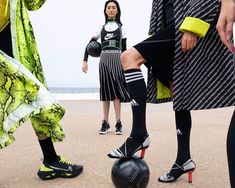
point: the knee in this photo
(125, 59)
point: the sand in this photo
(20, 161)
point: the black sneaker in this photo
(118, 127)
(61, 168)
(105, 128)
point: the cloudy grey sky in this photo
(63, 28)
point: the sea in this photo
(75, 93)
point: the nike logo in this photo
(134, 103)
(62, 169)
(109, 36)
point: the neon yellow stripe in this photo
(45, 169)
(6, 8)
(195, 25)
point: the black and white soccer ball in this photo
(130, 173)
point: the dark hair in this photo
(118, 16)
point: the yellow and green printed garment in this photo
(23, 92)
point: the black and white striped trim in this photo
(133, 76)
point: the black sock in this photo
(183, 128)
(48, 150)
(138, 94)
(231, 151)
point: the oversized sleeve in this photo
(199, 15)
(206, 10)
(34, 4)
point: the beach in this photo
(83, 145)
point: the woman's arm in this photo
(198, 17)
(85, 58)
(123, 45)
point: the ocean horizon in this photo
(75, 93)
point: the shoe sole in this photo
(118, 133)
(53, 175)
(109, 130)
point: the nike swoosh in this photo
(109, 37)
(62, 169)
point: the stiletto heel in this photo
(130, 147)
(177, 171)
(190, 176)
(142, 153)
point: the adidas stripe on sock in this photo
(138, 94)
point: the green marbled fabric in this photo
(23, 90)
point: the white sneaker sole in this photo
(106, 132)
(118, 133)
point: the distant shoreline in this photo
(73, 90)
(75, 93)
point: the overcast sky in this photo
(63, 28)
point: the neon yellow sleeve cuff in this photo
(195, 25)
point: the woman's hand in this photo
(189, 41)
(84, 66)
(225, 23)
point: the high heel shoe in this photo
(177, 170)
(130, 147)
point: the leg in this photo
(183, 129)
(231, 151)
(158, 52)
(106, 106)
(42, 117)
(117, 109)
(47, 128)
(131, 61)
(48, 150)
(105, 127)
(183, 161)
(55, 166)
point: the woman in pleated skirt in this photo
(111, 75)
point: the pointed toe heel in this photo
(130, 147)
(177, 171)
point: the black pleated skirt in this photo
(111, 75)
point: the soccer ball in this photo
(94, 49)
(130, 173)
